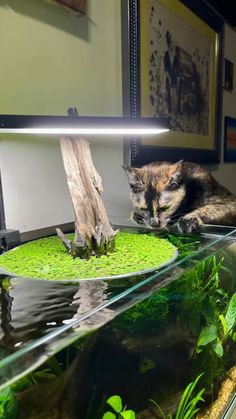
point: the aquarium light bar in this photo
(77, 125)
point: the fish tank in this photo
(157, 345)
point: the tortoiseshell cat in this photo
(163, 192)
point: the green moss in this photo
(47, 259)
(145, 317)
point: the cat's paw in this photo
(137, 217)
(189, 223)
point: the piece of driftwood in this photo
(93, 232)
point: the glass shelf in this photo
(39, 318)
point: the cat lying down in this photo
(181, 192)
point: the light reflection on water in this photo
(31, 309)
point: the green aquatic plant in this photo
(197, 297)
(187, 407)
(197, 301)
(220, 330)
(8, 404)
(186, 244)
(146, 316)
(35, 377)
(46, 258)
(146, 364)
(115, 402)
(188, 301)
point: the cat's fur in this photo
(164, 192)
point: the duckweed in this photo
(47, 258)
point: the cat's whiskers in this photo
(177, 215)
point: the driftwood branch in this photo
(93, 231)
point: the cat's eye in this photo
(173, 184)
(164, 208)
(136, 188)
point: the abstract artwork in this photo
(230, 140)
(179, 71)
(178, 55)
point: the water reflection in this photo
(31, 309)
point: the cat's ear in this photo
(178, 165)
(133, 175)
(176, 169)
(175, 174)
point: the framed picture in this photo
(75, 6)
(176, 72)
(230, 140)
(228, 75)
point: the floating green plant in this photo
(47, 259)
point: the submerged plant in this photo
(196, 298)
(187, 407)
(186, 244)
(115, 402)
(8, 404)
(220, 330)
(146, 316)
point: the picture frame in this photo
(197, 33)
(230, 140)
(228, 75)
(77, 7)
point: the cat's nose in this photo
(154, 222)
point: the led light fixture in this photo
(80, 125)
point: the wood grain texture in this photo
(93, 232)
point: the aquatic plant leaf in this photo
(185, 399)
(191, 414)
(207, 335)
(224, 324)
(109, 415)
(230, 316)
(191, 410)
(6, 284)
(159, 409)
(128, 414)
(115, 402)
(146, 364)
(219, 349)
(8, 404)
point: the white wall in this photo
(49, 61)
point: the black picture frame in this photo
(228, 75)
(141, 153)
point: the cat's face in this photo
(157, 191)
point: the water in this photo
(146, 352)
(138, 341)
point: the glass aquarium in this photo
(156, 345)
